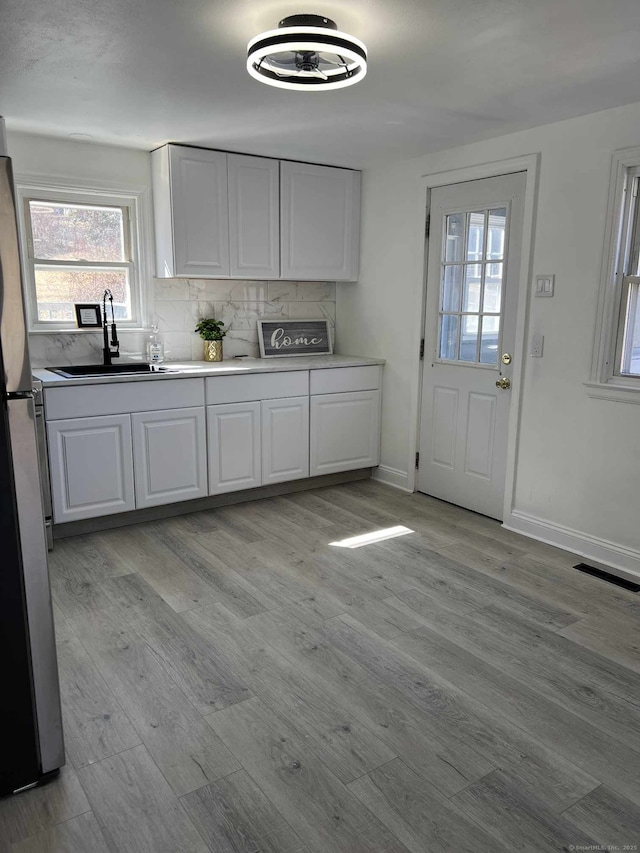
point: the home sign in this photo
(281, 338)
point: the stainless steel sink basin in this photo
(72, 371)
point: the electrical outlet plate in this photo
(537, 346)
(545, 285)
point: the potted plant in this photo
(212, 333)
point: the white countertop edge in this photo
(203, 369)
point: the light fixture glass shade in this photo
(308, 53)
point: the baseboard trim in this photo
(600, 553)
(391, 477)
(156, 513)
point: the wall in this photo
(577, 461)
(175, 304)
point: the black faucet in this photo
(107, 351)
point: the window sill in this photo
(617, 393)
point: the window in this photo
(471, 291)
(78, 244)
(627, 355)
(616, 363)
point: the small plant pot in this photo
(213, 350)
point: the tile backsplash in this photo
(178, 304)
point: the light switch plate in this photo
(545, 285)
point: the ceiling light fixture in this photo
(307, 53)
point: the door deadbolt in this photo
(506, 358)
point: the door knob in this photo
(503, 383)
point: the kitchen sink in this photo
(72, 371)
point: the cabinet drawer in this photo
(335, 380)
(256, 386)
(80, 401)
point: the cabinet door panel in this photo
(199, 211)
(91, 467)
(345, 431)
(169, 450)
(285, 439)
(254, 222)
(319, 222)
(233, 435)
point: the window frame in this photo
(132, 202)
(606, 380)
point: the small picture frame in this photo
(88, 315)
(288, 338)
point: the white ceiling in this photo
(140, 73)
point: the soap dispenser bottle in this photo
(155, 347)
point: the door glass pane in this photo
(77, 232)
(475, 235)
(454, 236)
(472, 286)
(451, 286)
(490, 340)
(493, 288)
(468, 338)
(497, 229)
(448, 336)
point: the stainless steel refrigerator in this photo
(31, 744)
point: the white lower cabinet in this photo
(233, 440)
(285, 439)
(170, 456)
(345, 432)
(109, 463)
(91, 466)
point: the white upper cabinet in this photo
(319, 222)
(254, 221)
(191, 212)
(223, 215)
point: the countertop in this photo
(199, 369)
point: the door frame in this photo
(529, 163)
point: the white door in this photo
(91, 466)
(233, 439)
(345, 432)
(200, 211)
(320, 222)
(285, 439)
(473, 269)
(254, 216)
(170, 456)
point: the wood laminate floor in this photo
(235, 682)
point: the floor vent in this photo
(606, 576)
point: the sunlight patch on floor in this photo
(374, 536)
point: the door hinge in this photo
(417, 460)
(422, 349)
(427, 225)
